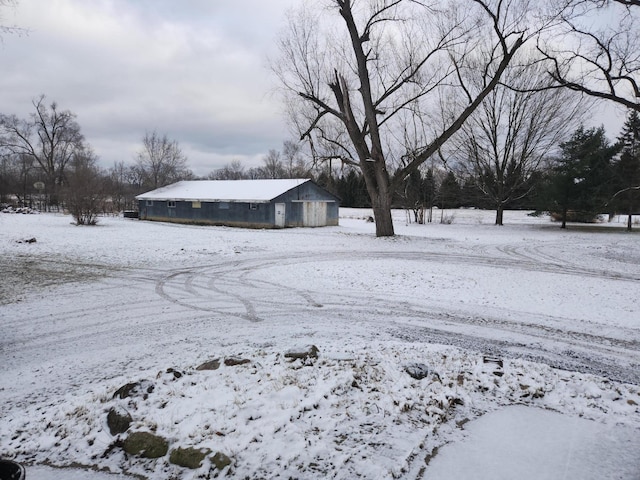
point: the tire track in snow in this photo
(536, 337)
(229, 290)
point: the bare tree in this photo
(231, 171)
(7, 177)
(595, 50)
(504, 143)
(272, 165)
(357, 76)
(50, 136)
(17, 176)
(6, 28)
(85, 188)
(124, 183)
(293, 160)
(161, 161)
(288, 163)
(26, 170)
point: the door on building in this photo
(280, 215)
(314, 214)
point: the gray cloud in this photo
(194, 70)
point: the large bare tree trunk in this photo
(385, 80)
(382, 214)
(378, 187)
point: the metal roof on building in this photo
(224, 190)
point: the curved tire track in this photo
(228, 289)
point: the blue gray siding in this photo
(242, 214)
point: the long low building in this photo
(276, 203)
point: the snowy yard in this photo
(527, 338)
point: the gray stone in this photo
(210, 365)
(234, 361)
(304, 353)
(188, 457)
(176, 373)
(169, 375)
(146, 445)
(135, 389)
(417, 370)
(220, 461)
(118, 420)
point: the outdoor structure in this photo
(242, 203)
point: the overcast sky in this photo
(195, 70)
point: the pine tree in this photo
(627, 169)
(449, 192)
(580, 181)
(429, 194)
(352, 190)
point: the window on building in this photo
(196, 205)
(253, 206)
(149, 203)
(171, 204)
(223, 205)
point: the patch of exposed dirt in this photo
(27, 275)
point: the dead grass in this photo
(29, 275)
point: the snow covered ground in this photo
(528, 336)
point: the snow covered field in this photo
(528, 336)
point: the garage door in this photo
(314, 214)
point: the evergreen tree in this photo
(471, 195)
(345, 194)
(357, 185)
(449, 192)
(530, 199)
(580, 181)
(324, 180)
(429, 194)
(627, 169)
(352, 190)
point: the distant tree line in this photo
(576, 179)
(46, 163)
(586, 177)
(290, 162)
